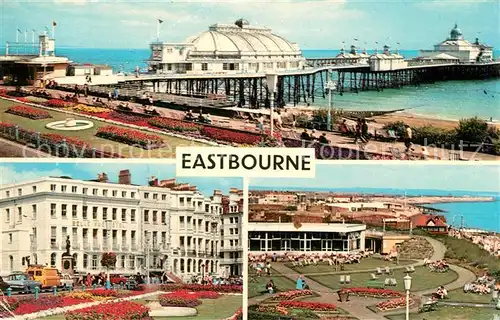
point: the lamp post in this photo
(202, 273)
(330, 86)
(271, 80)
(407, 282)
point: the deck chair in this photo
(387, 282)
(392, 135)
(373, 276)
(342, 279)
(407, 269)
(347, 279)
(379, 271)
(412, 268)
(387, 270)
(453, 156)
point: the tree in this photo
(472, 130)
(108, 260)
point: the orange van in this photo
(47, 276)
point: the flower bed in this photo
(314, 306)
(228, 135)
(125, 310)
(173, 124)
(89, 109)
(102, 292)
(199, 287)
(58, 103)
(26, 305)
(372, 292)
(28, 112)
(130, 137)
(393, 304)
(179, 302)
(291, 295)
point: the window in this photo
(104, 213)
(53, 210)
(155, 196)
(115, 193)
(74, 214)
(204, 66)
(52, 187)
(33, 210)
(85, 261)
(85, 190)
(132, 215)
(94, 261)
(105, 193)
(94, 192)
(224, 66)
(124, 215)
(132, 195)
(7, 215)
(10, 237)
(189, 66)
(146, 216)
(19, 214)
(155, 216)
(7, 194)
(163, 217)
(131, 262)
(64, 210)
(146, 195)
(84, 212)
(114, 214)
(73, 189)
(124, 194)
(19, 192)
(63, 188)
(94, 213)
(164, 197)
(122, 262)
(181, 202)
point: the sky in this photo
(17, 172)
(473, 178)
(320, 24)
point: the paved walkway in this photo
(357, 306)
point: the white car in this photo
(66, 281)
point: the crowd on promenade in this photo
(488, 242)
(304, 259)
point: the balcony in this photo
(105, 246)
(86, 245)
(124, 247)
(116, 247)
(54, 245)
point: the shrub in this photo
(398, 127)
(432, 135)
(472, 129)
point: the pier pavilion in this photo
(229, 49)
(309, 237)
(456, 46)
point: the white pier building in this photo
(164, 225)
(227, 48)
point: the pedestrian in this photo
(364, 131)
(408, 137)
(268, 269)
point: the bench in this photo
(377, 284)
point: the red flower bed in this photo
(173, 124)
(373, 292)
(392, 304)
(292, 294)
(125, 310)
(221, 134)
(315, 306)
(10, 303)
(130, 137)
(30, 305)
(57, 138)
(103, 292)
(193, 294)
(58, 103)
(28, 112)
(199, 287)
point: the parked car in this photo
(131, 284)
(117, 279)
(3, 285)
(66, 281)
(22, 283)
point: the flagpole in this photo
(26, 36)
(33, 37)
(53, 31)
(158, 30)
(17, 35)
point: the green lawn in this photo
(210, 309)
(365, 264)
(423, 279)
(460, 296)
(89, 135)
(257, 285)
(452, 313)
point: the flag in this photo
(54, 23)
(160, 21)
(19, 30)
(355, 39)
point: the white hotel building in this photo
(170, 226)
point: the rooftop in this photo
(312, 227)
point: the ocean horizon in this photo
(477, 215)
(447, 100)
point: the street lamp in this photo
(202, 273)
(330, 86)
(407, 282)
(272, 81)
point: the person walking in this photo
(408, 135)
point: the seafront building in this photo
(456, 48)
(163, 226)
(307, 237)
(227, 48)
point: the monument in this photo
(67, 259)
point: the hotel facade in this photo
(164, 226)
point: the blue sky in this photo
(474, 178)
(320, 24)
(17, 172)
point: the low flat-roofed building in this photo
(307, 237)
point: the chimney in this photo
(153, 181)
(102, 177)
(124, 177)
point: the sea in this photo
(452, 100)
(477, 215)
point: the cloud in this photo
(450, 4)
(75, 2)
(135, 23)
(9, 175)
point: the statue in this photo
(68, 245)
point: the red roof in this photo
(425, 220)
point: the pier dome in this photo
(241, 37)
(456, 33)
